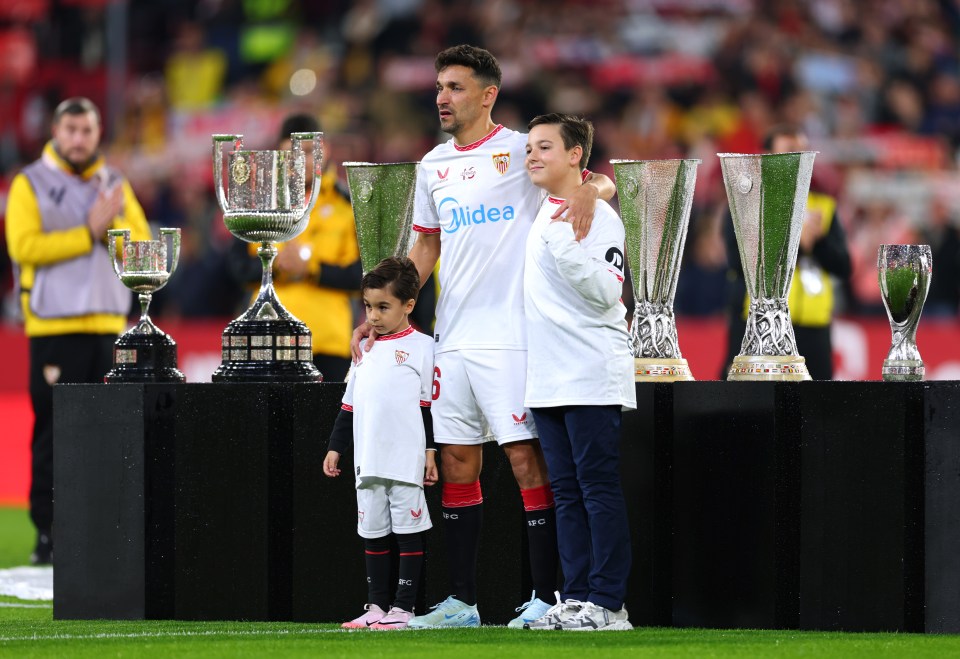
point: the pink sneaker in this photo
(395, 619)
(372, 613)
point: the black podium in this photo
(208, 501)
(817, 505)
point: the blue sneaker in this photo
(529, 611)
(451, 612)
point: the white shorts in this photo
(385, 506)
(479, 397)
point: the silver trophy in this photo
(382, 198)
(144, 353)
(904, 272)
(768, 198)
(655, 200)
(264, 200)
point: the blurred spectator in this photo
(194, 72)
(943, 236)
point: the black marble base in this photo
(266, 351)
(144, 358)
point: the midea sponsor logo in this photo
(464, 216)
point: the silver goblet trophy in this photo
(264, 200)
(767, 195)
(904, 272)
(382, 198)
(144, 353)
(655, 201)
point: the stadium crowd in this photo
(874, 83)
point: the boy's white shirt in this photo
(578, 349)
(385, 391)
(482, 236)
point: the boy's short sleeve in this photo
(347, 401)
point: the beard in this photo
(77, 162)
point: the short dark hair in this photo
(74, 106)
(484, 65)
(575, 131)
(781, 130)
(396, 273)
(298, 123)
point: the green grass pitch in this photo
(27, 630)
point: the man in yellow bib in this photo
(74, 307)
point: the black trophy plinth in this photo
(267, 351)
(144, 357)
(267, 343)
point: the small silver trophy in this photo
(655, 200)
(904, 272)
(382, 198)
(264, 200)
(144, 353)
(767, 194)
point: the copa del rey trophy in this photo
(904, 272)
(264, 200)
(655, 201)
(382, 198)
(768, 197)
(144, 353)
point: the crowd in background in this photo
(874, 83)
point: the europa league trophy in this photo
(264, 200)
(382, 199)
(655, 200)
(904, 272)
(768, 198)
(144, 353)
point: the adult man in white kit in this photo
(475, 205)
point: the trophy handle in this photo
(218, 141)
(174, 235)
(317, 139)
(112, 235)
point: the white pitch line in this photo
(251, 632)
(17, 605)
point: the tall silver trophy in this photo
(904, 272)
(655, 200)
(264, 200)
(768, 198)
(144, 353)
(382, 198)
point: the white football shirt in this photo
(480, 200)
(385, 392)
(579, 351)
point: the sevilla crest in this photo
(401, 356)
(502, 162)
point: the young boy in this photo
(579, 377)
(386, 413)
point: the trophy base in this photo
(144, 358)
(785, 368)
(646, 369)
(903, 370)
(267, 351)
